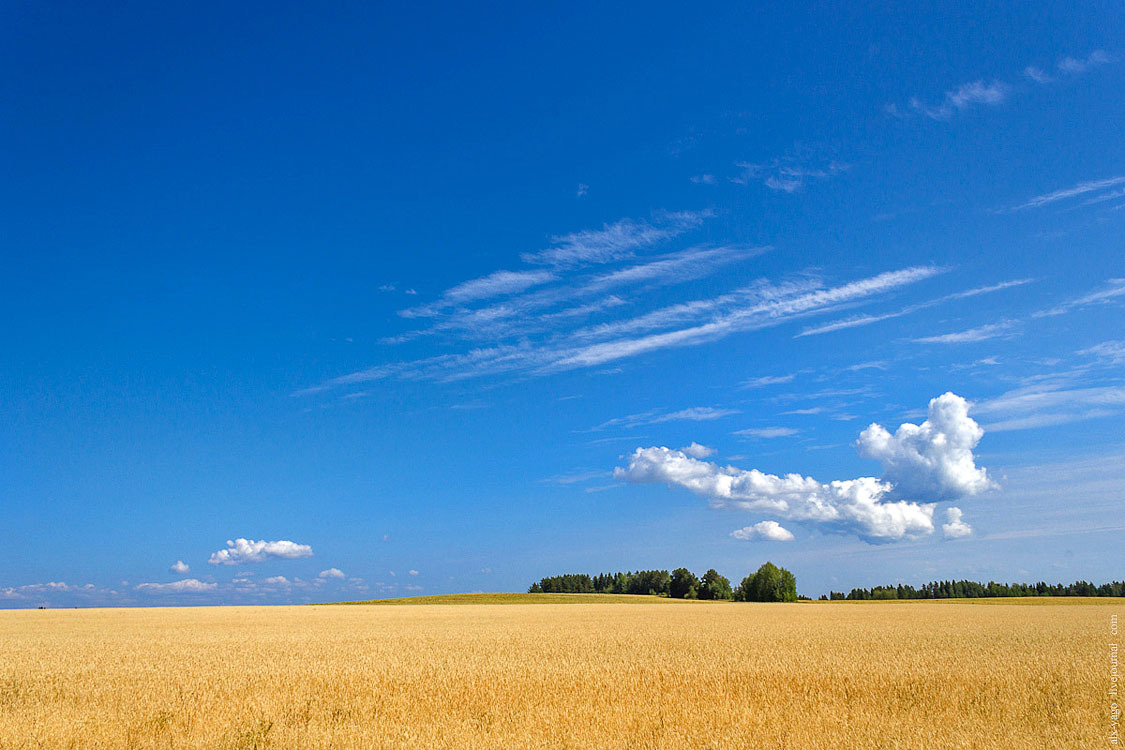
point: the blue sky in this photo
(307, 304)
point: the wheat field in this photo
(688, 675)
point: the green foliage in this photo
(769, 584)
(715, 586)
(975, 590)
(648, 582)
(684, 584)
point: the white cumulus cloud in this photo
(770, 531)
(180, 567)
(331, 573)
(955, 528)
(241, 551)
(933, 460)
(923, 464)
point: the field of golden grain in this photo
(690, 675)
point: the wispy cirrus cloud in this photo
(1082, 188)
(767, 380)
(963, 97)
(538, 352)
(497, 283)
(768, 312)
(970, 335)
(693, 414)
(615, 241)
(765, 433)
(1037, 74)
(542, 320)
(993, 92)
(544, 310)
(856, 321)
(1076, 66)
(1050, 403)
(1112, 352)
(1112, 293)
(787, 174)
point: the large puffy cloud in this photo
(924, 463)
(241, 551)
(933, 460)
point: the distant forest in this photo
(975, 590)
(769, 584)
(773, 584)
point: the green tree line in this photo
(768, 584)
(975, 590)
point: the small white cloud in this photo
(1037, 74)
(387, 288)
(695, 450)
(765, 433)
(276, 581)
(180, 567)
(412, 572)
(770, 531)
(241, 551)
(186, 586)
(956, 528)
(331, 573)
(582, 190)
(704, 179)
